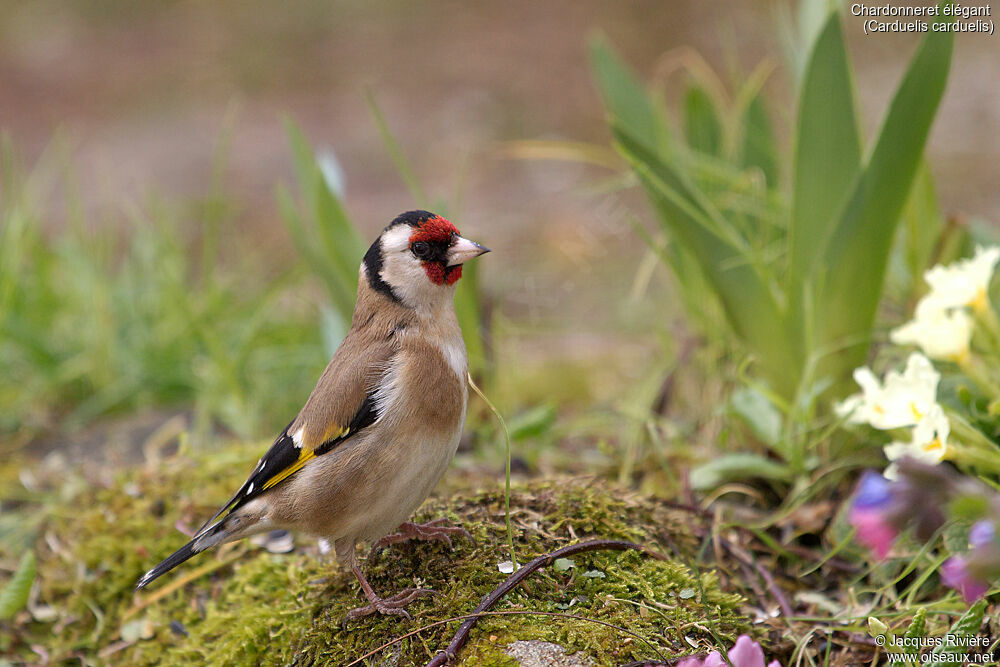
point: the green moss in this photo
(255, 607)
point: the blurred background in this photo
(131, 117)
(187, 188)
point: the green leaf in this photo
(759, 147)
(876, 628)
(533, 423)
(955, 535)
(971, 507)
(827, 150)
(757, 411)
(966, 626)
(918, 626)
(14, 595)
(853, 265)
(922, 226)
(734, 467)
(563, 564)
(625, 97)
(702, 126)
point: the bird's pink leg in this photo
(393, 605)
(432, 530)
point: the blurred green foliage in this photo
(792, 251)
(96, 322)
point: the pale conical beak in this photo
(462, 250)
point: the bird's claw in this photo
(390, 606)
(432, 530)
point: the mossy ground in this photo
(242, 605)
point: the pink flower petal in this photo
(691, 662)
(873, 531)
(746, 653)
(715, 659)
(955, 574)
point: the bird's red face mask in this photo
(441, 250)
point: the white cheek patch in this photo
(403, 272)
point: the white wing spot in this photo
(297, 437)
(250, 488)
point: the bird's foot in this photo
(432, 530)
(393, 606)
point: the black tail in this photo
(204, 540)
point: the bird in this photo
(383, 422)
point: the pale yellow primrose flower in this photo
(941, 331)
(929, 442)
(965, 282)
(902, 400)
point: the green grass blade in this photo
(702, 126)
(759, 149)
(746, 296)
(855, 261)
(827, 150)
(469, 310)
(625, 97)
(322, 231)
(923, 224)
(14, 595)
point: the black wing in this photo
(285, 458)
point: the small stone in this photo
(275, 542)
(138, 629)
(545, 654)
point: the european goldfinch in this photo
(383, 423)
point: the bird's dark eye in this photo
(420, 249)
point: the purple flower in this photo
(982, 533)
(873, 491)
(869, 513)
(955, 574)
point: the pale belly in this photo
(404, 494)
(364, 492)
